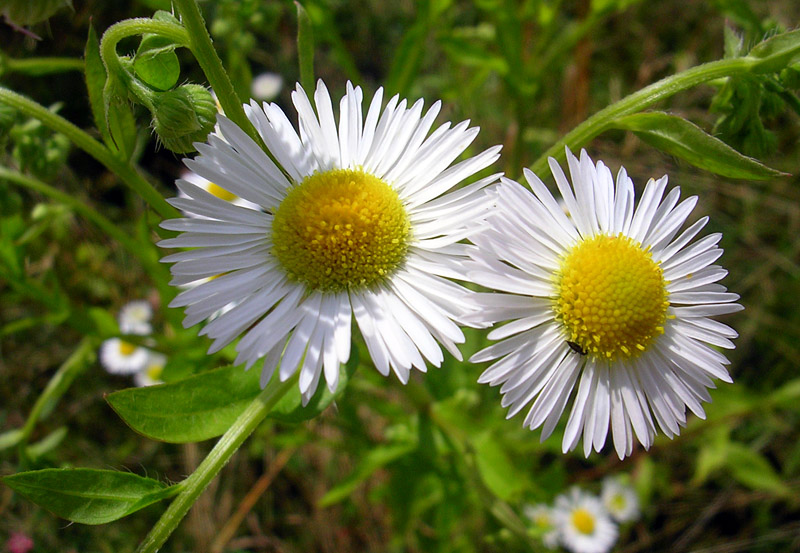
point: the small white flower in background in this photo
(620, 499)
(363, 224)
(150, 374)
(541, 516)
(583, 523)
(134, 318)
(120, 357)
(610, 307)
(266, 86)
(217, 191)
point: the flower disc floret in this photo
(341, 229)
(612, 298)
(583, 521)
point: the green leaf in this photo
(48, 443)
(120, 122)
(685, 140)
(496, 469)
(88, 496)
(191, 410)
(156, 62)
(375, 459)
(777, 52)
(305, 48)
(11, 438)
(95, 81)
(751, 469)
(408, 59)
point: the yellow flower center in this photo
(340, 229)
(126, 348)
(154, 371)
(611, 297)
(216, 190)
(618, 502)
(583, 521)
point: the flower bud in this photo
(183, 116)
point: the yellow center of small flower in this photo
(618, 502)
(126, 348)
(583, 521)
(154, 371)
(216, 190)
(611, 297)
(340, 229)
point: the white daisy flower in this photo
(620, 500)
(541, 516)
(120, 357)
(609, 306)
(584, 525)
(134, 318)
(361, 225)
(150, 374)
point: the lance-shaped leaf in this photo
(88, 496)
(95, 81)
(677, 136)
(206, 405)
(191, 410)
(777, 52)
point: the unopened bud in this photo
(183, 116)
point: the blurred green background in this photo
(418, 468)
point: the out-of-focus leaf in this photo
(88, 496)
(305, 48)
(468, 52)
(48, 443)
(376, 458)
(685, 140)
(787, 395)
(496, 469)
(407, 59)
(191, 410)
(753, 470)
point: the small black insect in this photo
(576, 347)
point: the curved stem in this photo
(640, 100)
(203, 50)
(43, 66)
(92, 147)
(158, 272)
(132, 27)
(193, 486)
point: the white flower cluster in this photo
(582, 522)
(119, 356)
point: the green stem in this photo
(43, 66)
(133, 27)
(203, 50)
(640, 100)
(158, 272)
(92, 147)
(193, 486)
(58, 384)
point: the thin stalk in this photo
(58, 384)
(193, 486)
(644, 98)
(203, 50)
(158, 272)
(92, 147)
(43, 66)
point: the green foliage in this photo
(156, 63)
(683, 139)
(88, 496)
(183, 116)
